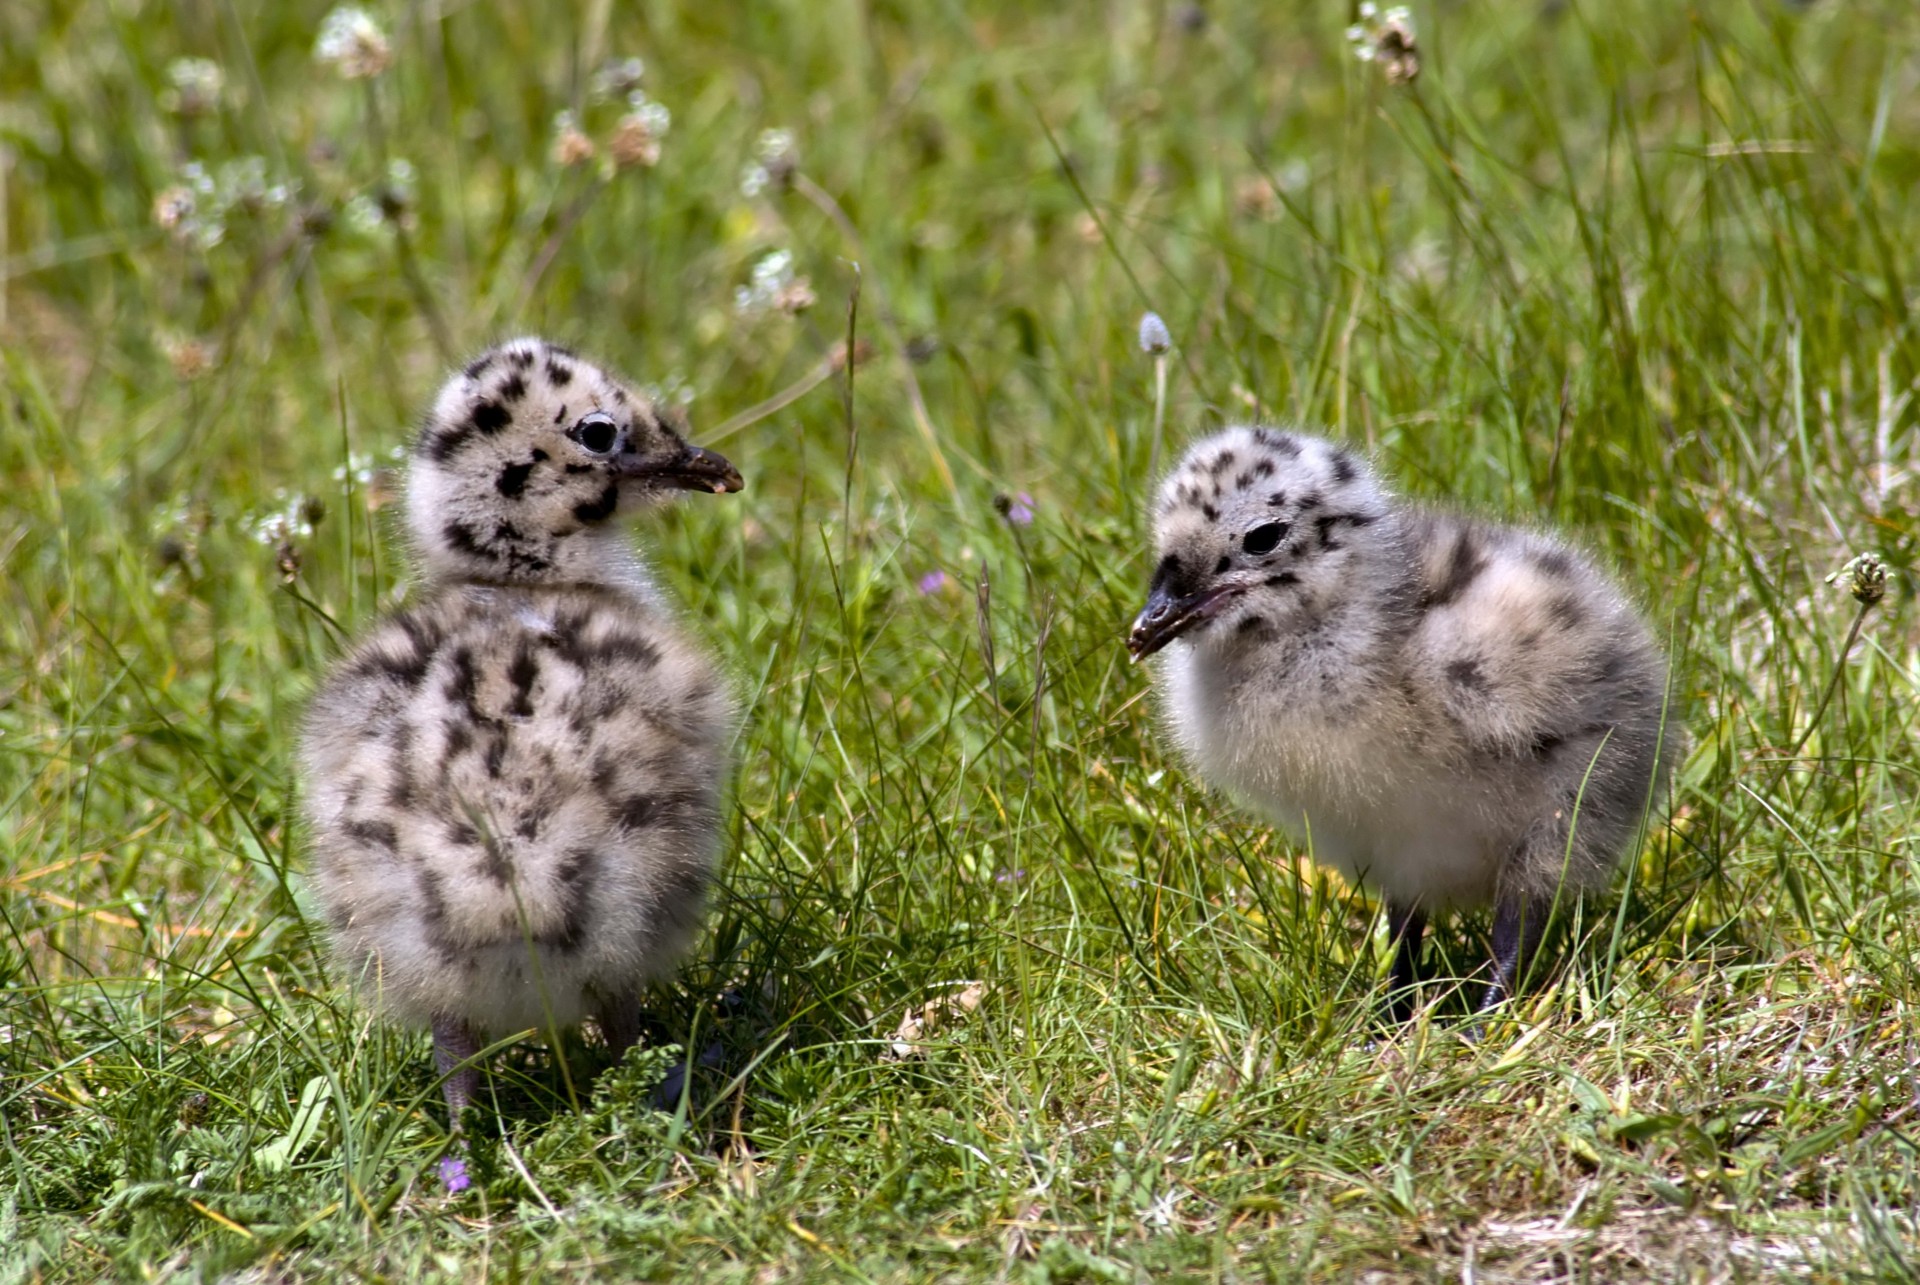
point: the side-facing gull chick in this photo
(1447, 710)
(513, 786)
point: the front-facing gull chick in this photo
(1447, 710)
(513, 786)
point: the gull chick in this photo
(1447, 710)
(513, 786)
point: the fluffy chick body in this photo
(514, 786)
(1450, 711)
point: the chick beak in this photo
(695, 468)
(1166, 617)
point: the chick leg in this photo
(1407, 926)
(454, 1048)
(1519, 922)
(621, 1022)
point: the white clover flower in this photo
(242, 181)
(775, 159)
(170, 516)
(352, 43)
(1387, 39)
(290, 519)
(616, 78)
(196, 177)
(674, 390)
(194, 86)
(774, 145)
(362, 214)
(358, 467)
(403, 180)
(1154, 337)
(172, 207)
(192, 211)
(774, 287)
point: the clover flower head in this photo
(194, 86)
(1865, 576)
(674, 390)
(352, 43)
(774, 161)
(359, 467)
(1387, 39)
(774, 287)
(292, 518)
(571, 146)
(636, 137)
(1154, 337)
(616, 78)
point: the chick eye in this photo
(1265, 538)
(595, 432)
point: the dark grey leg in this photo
(1407, 926)
(621, 1022)
(1519, 922)
(454, 1049)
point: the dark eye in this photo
(596, 432)
(1265, 538)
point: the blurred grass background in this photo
(1641, 271)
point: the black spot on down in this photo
(512, 481)
(599, 508)
(522, 672)
(490, 417)
(1464, 566)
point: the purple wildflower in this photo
(933, 582)
(1016, 508)
(453, 1172)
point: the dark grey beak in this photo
(1166, 617)
(694, 469)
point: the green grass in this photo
(1641, 271)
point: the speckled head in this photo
(528, 455)
(1250, 526)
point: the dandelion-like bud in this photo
(190, 358)
(1154, 337)
(636, 137)
(193, 87)
(1865, 576)
(570, 146)
(352, 43)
